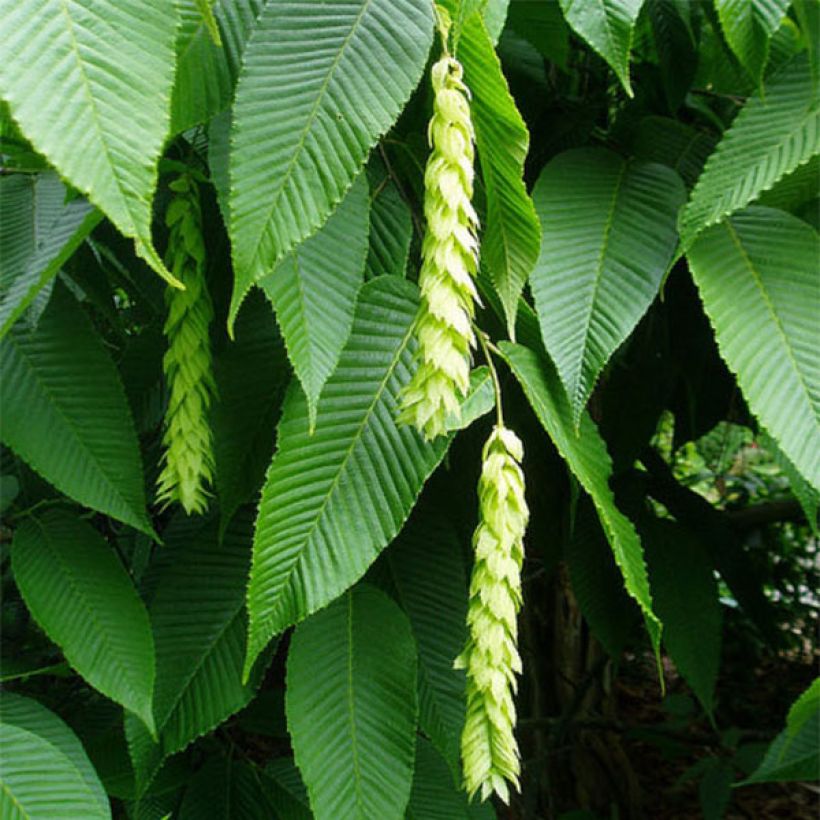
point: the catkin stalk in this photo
(188, 461)
(449, 254)
(488, 747)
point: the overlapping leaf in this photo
(314, 288)
(509, 244)
(768, 139)
(58, 384)
(81, 595)
(391, 225)
(89, 83)
(586, 454)
(334, 499)
(39, 231)
(608, 235)
(320, 84)
(351, 706)
(757, 276)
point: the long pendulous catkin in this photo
(188, 461)
(449, 255)
(488, 747)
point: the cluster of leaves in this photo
(625, 149)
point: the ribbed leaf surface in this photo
(608, 235)
(434, 795)
(333, 500)
(748, 26)
(225, 789)
(806, 495)
(39, 232)
(351, 706)
(199, 622)
(29, 715)
(89, 83)
(286, 791)
(757, 276)
(320, 84)
(206, 72)
(58, 384)
(38, 781)
(313, 290)
(686, 600)
(607, 26)
(391, 226)
(81, 595)
(427, 570)
(509, 244)
(586, 454)
(768, 139)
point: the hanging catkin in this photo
(188, 458)
(449, 254)
(489, 751)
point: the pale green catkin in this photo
(449, 254)
(188, 459)
(489, 750)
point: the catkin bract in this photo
(449, 255)
(188, 461)
(488, 747)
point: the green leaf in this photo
(308, 110)
(225, 789)
(89, 84)
(768, 139)
(314, 288)
(206, 70)
(686, 600)
(285, 790)
(434, 796)
(608, 235)
(40, 231)
(334, 499)
(81, 595)
(58, 384)
(542, 25)
(795, 753)
(199, 625)
(351, 706)
(608, 27)
(38, 781)
(757, 276)
(586, 454)
(509, 245)
(427, 570)
(391, 225)
(748, 26)
(676, 46)
(30, 716)
(251, 376)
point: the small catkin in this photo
(188, 458)
(449, 255)
(488, 747)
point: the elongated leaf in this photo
(285, 790)
(509, 245)
(427, 570)
(29, 715)
(78, 591)
(58, 384)
(40, 231)
(354, 664)
(676, 44)
(206, 71)
(748, 26)
(607, 26)
(39, 782)
(586, 454)
(199, 625)
(225, 789)
(89, 83)
(308, 109)
(313, 290)
(608, 235)
(806, 495)
(333, 500)
(757, 276)
(686, 600)
(768, 139)
(391, 225)
(251, 376)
